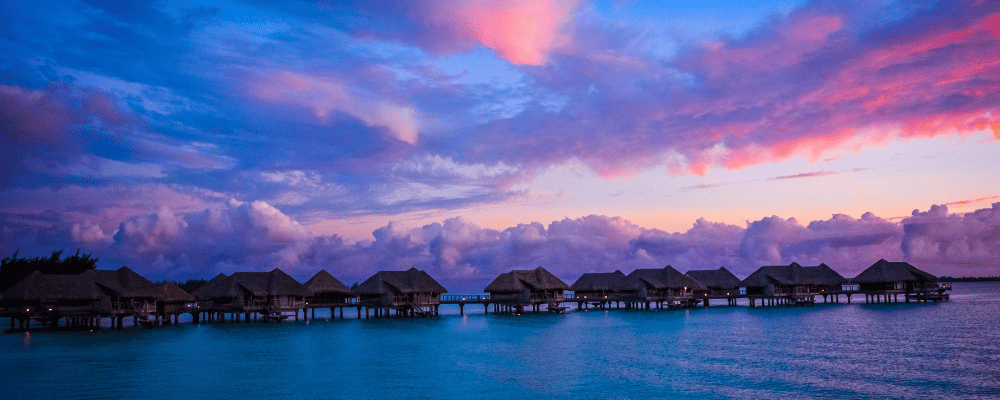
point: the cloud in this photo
(245, 234)
(31, 116)
(325, 95)
(816, 174)
(240, 236)
(296, 188)
(436, 167)
(520, 31)
(813, 84)
(965, 244)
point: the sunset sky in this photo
(189, 138)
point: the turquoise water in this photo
(947, 350)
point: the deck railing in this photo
(591, 297)
(545, 298)
(465, 297)
(415, 299)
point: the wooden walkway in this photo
(461, 300)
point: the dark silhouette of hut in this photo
(83, 299)
(644, 287)
(791, 284)
(597, 288)
(173, 301)
(410, 292)
(886, 280)
(517, 289)
(720, 282)
(326, 292)
(271, 294)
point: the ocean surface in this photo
(836, 351)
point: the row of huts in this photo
(86, 298)
(769, 285)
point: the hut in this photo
(791, 284)
(597, 288)
(410, 292)
(173, 301)
(663, 286)
(271, 294)
(517, 289)
(326, 292)
(83, 299)
(885, 281)
(720, 283)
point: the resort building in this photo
(271, 294)
(410, 292)
(82, 299)
(326, 292)
(665, 286)
(720, 283)
(791, 284)
(597, 288)
(174, 301)
(885, 281)
(513, 291)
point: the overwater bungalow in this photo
(791, 284)
(410, 292)
(81, 299)
(885, 281)
(659, 287)
(515, 290)
(720, 283)
(326, 292)
(173, 301)
(271, 294)
(597, 288)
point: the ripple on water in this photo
(947, 350)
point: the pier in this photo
(83, 301)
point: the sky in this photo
(190, 138)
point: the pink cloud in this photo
(932, 82)
(33, 115)
(325, 95)
(791, 42)
(520, 31)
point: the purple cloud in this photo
(256, 236)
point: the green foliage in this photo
(13, 269)
(191, 285)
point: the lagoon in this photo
(899, 350)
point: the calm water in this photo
(948, 350)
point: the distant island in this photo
(970, 279)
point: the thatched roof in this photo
(324, 283)
(125, 282)
(171, 293)
(885, 271)
(260, 284)
(410, 281)
(793, 274)
(598, 282)
(665, 278)
(89, 285)
(52, 287)
(218, 287)
(520, 280)
(720, 278)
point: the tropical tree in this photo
(13, 268)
